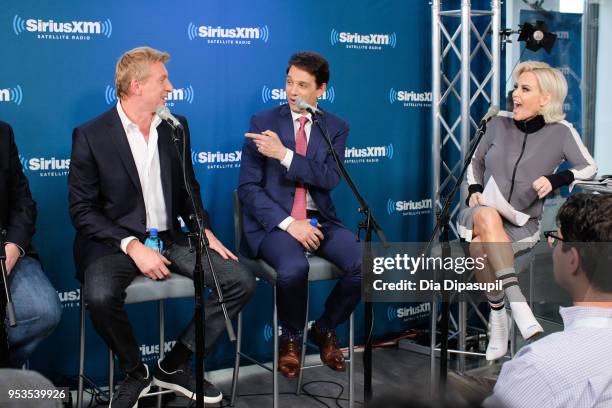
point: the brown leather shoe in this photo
(331, 355)
(289, 358)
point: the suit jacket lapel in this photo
(166, 150)
(285, 124)
(123, 148)
(316, 138)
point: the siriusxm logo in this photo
(228, 35)
(279, 94)
(69, 298)
(409, 207)
(177, 95)
(411, 98)
(363, 41)
(217, 160)
(66, 30)
(369, 152)
(46, 167)
(268, 330)
(151, 352)
(408, 313)
(14, 95)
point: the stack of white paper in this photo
(495, 199)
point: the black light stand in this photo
(369, 224)
(202, 245)
(7, 309)
(443, 224)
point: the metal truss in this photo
(465, 82)
(457, 45)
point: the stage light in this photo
(537, 36)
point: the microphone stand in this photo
(202, 245)
(369, 224)
(442, 223)
(6, 304)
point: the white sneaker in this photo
(525, 320)
(498, 334)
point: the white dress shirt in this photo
(568, 369)
(310, 205)
(146, 158)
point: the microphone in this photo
(164, 113)
(303, 105)
(493, 111)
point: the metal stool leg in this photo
(351, 367)
(81, 352)
(237, 359)
(275, 359)
(298, 389)
(111, 375)
(162, 340)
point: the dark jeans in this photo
(108, 277)
(286, 255)
(37, 309)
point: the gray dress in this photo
(515, 154)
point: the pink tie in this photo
(299, 200)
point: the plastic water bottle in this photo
(153, 241)
(313, 223)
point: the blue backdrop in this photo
(228, 61)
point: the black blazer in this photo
(105, 194)
(17, 209)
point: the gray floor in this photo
(395, 372)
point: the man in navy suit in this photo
(286, 178)
(125, 179)
(37, 306)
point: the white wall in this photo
(603, 111)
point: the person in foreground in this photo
(287, 175)
(571, 368)
(126, 179)
(37, 306)
(521, 153)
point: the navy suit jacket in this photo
(17, 209)
(266, 188)
(105, 194)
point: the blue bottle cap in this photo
(314, 222)
(153, 232)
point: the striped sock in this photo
(510, 284)
(496, 301)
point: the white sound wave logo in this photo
(46, 167)
(261, 33)
(268, 330)
(369, 151)
(412, 312)
(217, 160)
(14, 95)
(279, 94)
(408, 207)
(368, 41)
(410, 98)
(102, 27)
